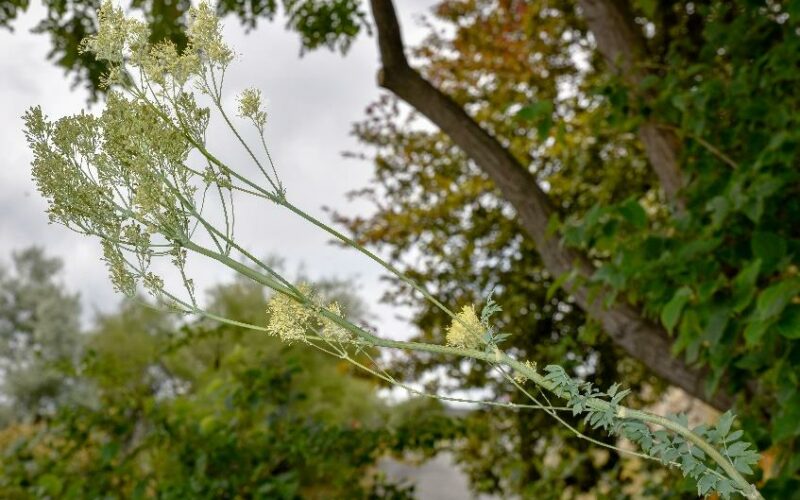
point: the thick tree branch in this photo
(622, 45)
(628, 328)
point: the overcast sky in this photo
(313, 101)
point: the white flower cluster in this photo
(292, 321)
(465, 330)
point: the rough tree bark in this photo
(626, 325)
(622, 45)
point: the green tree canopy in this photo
(205, 410)
(669, 163)
(39, 336)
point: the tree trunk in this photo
(622, 45)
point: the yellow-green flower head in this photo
(163, 61)
(288, 319)
(466, 330)
(116, 35)
(121, 40)
(332, 330)
(205, 36)
(121, 278)
(250, 106)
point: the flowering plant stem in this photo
(496, 357)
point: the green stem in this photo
(218, 104)
(353, 244)
(749, 490)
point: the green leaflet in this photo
(671, 312)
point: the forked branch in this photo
(625, 324)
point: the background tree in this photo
(39, 337)
(686, 251)
(439, 213)
(205, 410)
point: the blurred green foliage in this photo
(438, 213)
(721, 275)
(39, 337)
(200, 410)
